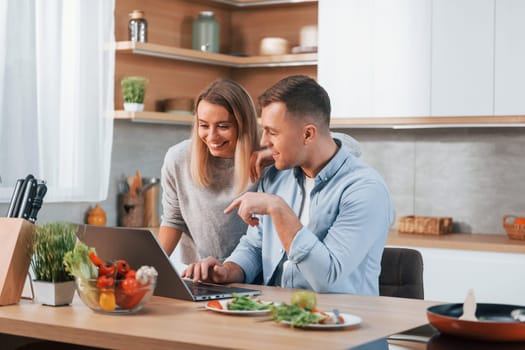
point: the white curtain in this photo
(56, 96)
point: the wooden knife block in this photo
(16, 237)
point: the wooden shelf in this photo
(248, 3)
(498, 243)
(394, 123)
(430, 122)
(155, 117)
(176, 53)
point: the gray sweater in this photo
(193, 209)
(198, 211)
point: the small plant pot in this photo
(133, 107)
(54, 294)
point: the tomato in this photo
(106, 300)
(120, 296)
(305, 299)
(105, 282)
(130, 301)
(106, 269)
(214, 304)
(122, 267)
(130, 285)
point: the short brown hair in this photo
(303, 97)
(234, 98)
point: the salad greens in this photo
(78, 264)
(297, 316)
(245, 303)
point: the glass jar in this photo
(138, 27)
(205, 32)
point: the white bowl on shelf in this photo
(273, 46)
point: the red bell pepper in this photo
(95, 259)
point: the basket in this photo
(514, 231)
(424, 225)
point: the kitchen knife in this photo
(41, 190)
(27, 199)
(15, 199)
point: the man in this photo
(320, 217)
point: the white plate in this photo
(225, 310)
(350, 320)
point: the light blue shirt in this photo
(341, 248)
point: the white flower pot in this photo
(54, 294)
(133, 107)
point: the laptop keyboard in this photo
(203, 289)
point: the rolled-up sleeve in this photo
(248, 254)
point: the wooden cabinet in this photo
(406, 63)
(173, 69)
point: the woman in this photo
(201, 176)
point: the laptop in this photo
(141, 247)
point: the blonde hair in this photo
(234, 98)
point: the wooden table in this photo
(169, 323)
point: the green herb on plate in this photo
(297, 316)
(244, 303)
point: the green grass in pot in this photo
(51, 242)
(133, 89)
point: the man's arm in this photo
(364, 217)
(285, 221)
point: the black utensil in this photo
(41, 190)
(27, 199)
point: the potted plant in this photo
(133, 89)
(52, 283)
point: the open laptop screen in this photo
(140, 247)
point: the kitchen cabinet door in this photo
(374, 57)
(510, 57)
(462, 58)
(495, 277)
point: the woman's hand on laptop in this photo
(211, 270)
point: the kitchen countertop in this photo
(498, 243)
(170, 323)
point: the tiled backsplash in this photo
(475, 175)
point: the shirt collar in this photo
(329, 169)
